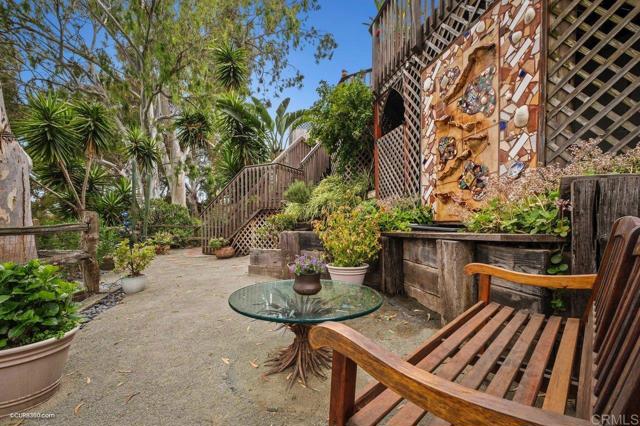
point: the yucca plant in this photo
(231, 69)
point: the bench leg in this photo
(343, 389)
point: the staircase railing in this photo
(253, 189)
(316, 164)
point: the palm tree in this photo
(95, 129)
(144, 155)
(277, 129)
(50, 136)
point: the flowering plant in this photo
(307, 265)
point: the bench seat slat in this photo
(556, 396)
(379, 407)
(410, 414)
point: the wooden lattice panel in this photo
(411, 145)
(391, 174)
(362, 164)
(593, 75)
(247, 238)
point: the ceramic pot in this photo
(225, 252)
(163, 249)
(307, 284)
(31, 374)
(351, 275)
(132, 285)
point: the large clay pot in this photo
(351, 275)
(307, 284)
(132, 285)
(225, 252)
(31, 374)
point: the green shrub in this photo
(174, 219)
(275, 224)
(162, 239)
(399, 215)
(350, 236)
(535, 214)
(218, 243)
(133, 258)
(59, 240)
(109, 240)
(298, 192)
(35, 304)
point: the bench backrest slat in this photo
(614, 324)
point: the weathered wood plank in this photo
(456, 288)
(391, 266)
(420, 276)
(470, 236)
(421, 251)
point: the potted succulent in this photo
(351, 236)
(221, 248)
(133, 259)
(162, 242)
(37, 324)
(307, 270)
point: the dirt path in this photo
(176, 354)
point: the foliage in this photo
(162, 239)
(277, 129)
(133, 258)
(399, 214)
(350, 235)
(342, 120)
(231, 68)
(275, 224)
(193, 129)
(35, 304)
(535, 214)
(218, 243)
(298, 192)
(109, 239)
(330, 194)
(307, 265)
(175, 219)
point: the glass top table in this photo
(277, 302)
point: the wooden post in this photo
(89, 244)
(456, 287)
(484, 287)
(392, 282)
(343, 389)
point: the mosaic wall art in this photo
(480, 102)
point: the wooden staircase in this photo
(256, 193)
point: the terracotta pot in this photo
(225, 252)
(351, 275)
(162, 249)
(132, 285)
(31, 374)
(307, 284)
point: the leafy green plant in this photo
(162, 239)
(172, 218)
(109, 239)
(399, 215)
(35, 304)
(218, 243)
(350, 235)
(298, 192)
(342, 120)
(275, 224)
(133, 258)
(535, 214)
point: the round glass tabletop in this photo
(277, 302)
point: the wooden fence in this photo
(86, 256)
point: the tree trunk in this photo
(173, 159)
(15, 195)
(89, 244)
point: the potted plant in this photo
(351, 236)
(307, 270)
(133, 259)
(162, 242)
(37, 324)
(221, 248)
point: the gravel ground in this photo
(176, 354)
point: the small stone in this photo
(521, 116)
(508, 95)
(444, 81)
(529, 14)
(480, 27)
(428, 84)
(484, 100)
(516, 37)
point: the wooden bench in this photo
(494, 365)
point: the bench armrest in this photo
(447, 400)
(574, 282)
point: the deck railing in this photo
(316, 164)
(400, 29)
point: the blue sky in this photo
(343, 19)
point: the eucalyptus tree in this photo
(150, 59)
